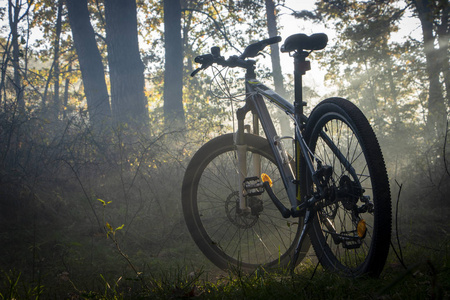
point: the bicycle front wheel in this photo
(210, 195)
(352, 230)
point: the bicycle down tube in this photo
(256, 104)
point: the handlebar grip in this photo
(272, 40)
(204, 59)
(253, 49)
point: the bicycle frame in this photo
(256, 104)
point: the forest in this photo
(99, 118)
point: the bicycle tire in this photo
(334, 233)
(209, 195)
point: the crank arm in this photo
(285, 212)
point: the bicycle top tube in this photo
(273, 97)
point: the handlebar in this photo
(254, 49)
(241, 61)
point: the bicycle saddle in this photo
(299, 42)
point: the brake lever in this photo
(196, 71)
(206, 61)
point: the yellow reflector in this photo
(361, 228)
(265, 178)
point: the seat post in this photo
(301, 65)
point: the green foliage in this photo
(12, 286)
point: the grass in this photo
(427, 277)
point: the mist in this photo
(95, 136)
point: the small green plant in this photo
(14, 287)
(111, 233)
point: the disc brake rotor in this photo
(239, 219)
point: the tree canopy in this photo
(86, 60)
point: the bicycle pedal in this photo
(253, 186)
(352, 244)
(350, 239)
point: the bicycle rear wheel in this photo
(352, 230)
(210, 196)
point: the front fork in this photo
(241, 153)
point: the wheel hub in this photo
(240, 218)
(348, 192)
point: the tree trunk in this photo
(14, 10)
(4, 64)
(443, 37)
(126, 70)
(276, 65)
(436, 109)
(173, 72)
(90, 62)
(56, 99)
(66, 90)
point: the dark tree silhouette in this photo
(90, 62)
(14, 19)
(128, 101)
(275, 58)
(56, 107)
(173, 74)
(428, 14)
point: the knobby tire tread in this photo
(382, 220)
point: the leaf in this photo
(109, 226)
(120, 227)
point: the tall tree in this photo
(429, 12)
(443, 32)
(173, 73)
(56, 107)
(126, 70)
(276, 65)
(90, 62)
(14, 19)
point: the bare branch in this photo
(218, 26)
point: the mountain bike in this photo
(251, 203)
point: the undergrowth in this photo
(426, 276)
